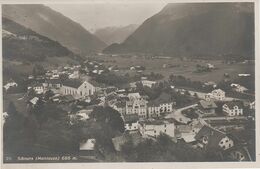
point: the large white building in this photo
(162, 104)
(78, 89)
(155, 128)
(216, 94)
(136, 105)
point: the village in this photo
(205, 121)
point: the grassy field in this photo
(178, 67)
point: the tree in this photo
(48, 94)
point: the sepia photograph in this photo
(128, 82)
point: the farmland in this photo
(176, 66)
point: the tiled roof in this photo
(208, 104)
(214, 136)
(72, 83)
(234, 103)
(163, 98)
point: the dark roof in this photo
(207, 104)
(95, 83)
(120, 104)
(130, 118)
(234, 103)
(72, 83)
(163, 98)
(53, 81)
(214, 136)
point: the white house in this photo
(162, 104)
(87, 148)
(74, 75)
(78, 89)
(148, 83)
(216, 94)
(238, 88)
(233, 109)
(10, 84)
(131, 122)
(38, 88)
(137, 105)
(154, 128)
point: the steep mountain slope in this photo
(22, 44)
(194, 29)
(23, 49)
(55, 26)
(115, 34)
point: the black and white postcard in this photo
(152, 83)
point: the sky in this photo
(93, 16)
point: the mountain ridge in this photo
(194, 29)
(54, 25)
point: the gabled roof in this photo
(88, 145)
(208, 104)
(214, 136)
(218, 90)
(72, 83)
(234, 103)
(53, 81)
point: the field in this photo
(176, 66)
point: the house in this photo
(162, 104)
(207, 107)
(136, 105)
(120, 107)
(238, 88)
(119, 141)
(34, 101)
(87, 148)
(11, 83)
(155, 127)
(148, 83)
(187, 132)
(216, 94)
(210, 66)
(78, 89)
(52, 84)
(131, 122)
(212, 139)
(38, 88)
(210, 83)
(74, 75)
(252, 105)
(239, 154)
(233, 108)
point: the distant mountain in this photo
(23, 44)
(115, 34)
(55, 26)
(194, 29)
